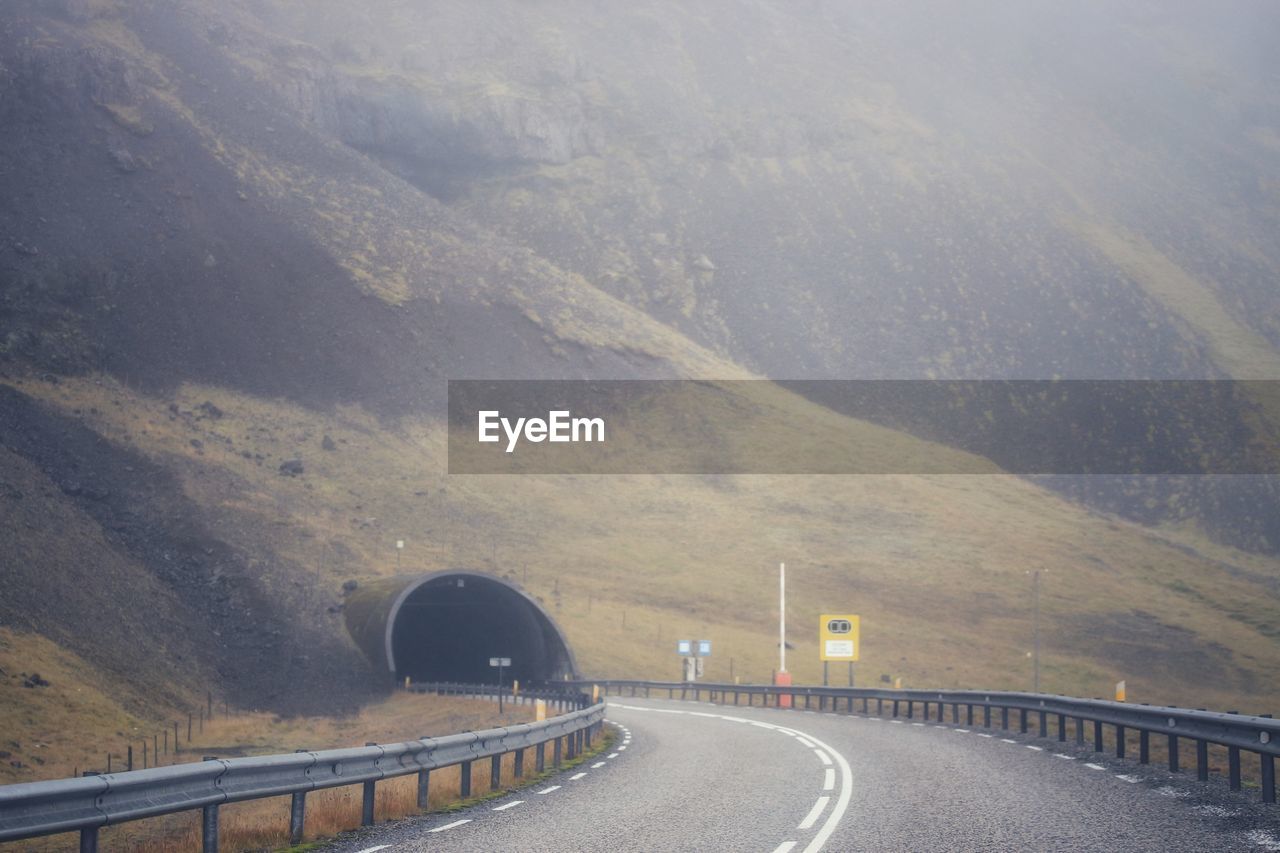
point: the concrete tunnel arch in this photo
(445, 625)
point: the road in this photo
(698, 777)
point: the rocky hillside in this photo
(243, 244)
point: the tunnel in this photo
(445, 626)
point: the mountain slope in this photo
(235, 235)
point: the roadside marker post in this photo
(501, 664)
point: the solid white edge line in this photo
(814, 813)
(450, 825)
(505, 806)
(784, 847)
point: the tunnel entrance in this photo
(446, 626)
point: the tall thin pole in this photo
(1035, 597)
(782, 617)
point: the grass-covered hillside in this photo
(238, 234)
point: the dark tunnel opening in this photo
(448, 627)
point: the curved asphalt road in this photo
(699, 777)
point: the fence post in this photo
(129, 757)
(297, 817)
(424, 781)
(366, 806)
(209, 828)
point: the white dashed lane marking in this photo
(576, 776)
(372, 849)
(505, 806)
(824, 752)
(450, 825)
(597, 764)
(549, 790)
(814, 813)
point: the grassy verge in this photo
(264, 824)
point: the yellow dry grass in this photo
(263, 824)
(936, 566)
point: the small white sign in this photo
(839, 648)
(499, 661)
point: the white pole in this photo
(782, 617)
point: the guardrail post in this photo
(297, 817)
(986, 716)
(926, 711)
(1097, 736)
(209, 828)
(366, 810)
(1022, 720)
(1233, 767)
(1144, 747)
(495, 772)
(464, 779)
(895, 707)
(89, 840)
(1173, 753)
(1268, 776)
(556, 754)
(1004, 718)
(1120, 744)
(1062, 728)
(1202, 760)
(424, 787)
(911, 709)
(968, 714)
(540, 757)
(1044, 724)
(519, 764)
(1079, 731)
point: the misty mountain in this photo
(229, 230)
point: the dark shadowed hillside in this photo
(244, 244)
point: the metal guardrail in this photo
(1237, 732)
(86, 804)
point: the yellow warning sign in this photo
(838, 636)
